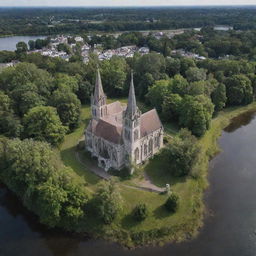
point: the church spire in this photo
(131, 106)
(98, 90)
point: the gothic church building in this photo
(119, 135)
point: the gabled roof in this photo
(106, 130)
(149, 122)
(114, 108)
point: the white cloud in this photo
(123, 3)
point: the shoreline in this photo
(131, 239)
(178, 233)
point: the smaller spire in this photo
(98, 90)
(131, 106)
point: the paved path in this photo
(145, 185)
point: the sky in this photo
(123, 2)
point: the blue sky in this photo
(123, 3)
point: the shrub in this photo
(140, 212)
(172, 203)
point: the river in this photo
(229, 230)
(9, 43)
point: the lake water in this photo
(9, 43)
(229, 230)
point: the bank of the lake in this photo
(8, 43)
(159, 227)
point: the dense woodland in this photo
(46, 21)
(41, 99)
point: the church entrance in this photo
(102, 164)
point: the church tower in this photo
(98, 99)
(131, 128)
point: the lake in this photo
(9, 43)
(230, 225)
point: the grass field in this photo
(160, 226)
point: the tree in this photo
(239, 90)
(68, 107)
(219, 97)
(29, 168)
(24, 74)
(43, 123)
(171, 106)
(29, 100)
(32, 45)
(21, 47)
(196, 88)
(172, 66)
(84, 92)
(182, 153)
(113, 74)
(172, 203)
(196, 113)
(152, 63)
(185, 64)
(140, 212)
(66, 82)
(5, 102)
(179, 85)
(10, 125)
(145, 82)
(64, 47)
(194, 74)
(108, 202)
(157, 92)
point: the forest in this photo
(47, 21)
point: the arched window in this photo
(127, 134)
(136, 135)
(136, 122)
(157, 140)
(150, 146)
(145, 149)
(136, 155)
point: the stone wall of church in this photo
(150, 144)
(109, 155)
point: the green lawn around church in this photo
(160, 226)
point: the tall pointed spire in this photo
(98, 90)
(131, 106)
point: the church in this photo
(120, 135)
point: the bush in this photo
(140, 212)
(172, 203)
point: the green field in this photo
(160, 226)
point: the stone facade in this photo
(119, 135)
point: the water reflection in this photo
(241, 120)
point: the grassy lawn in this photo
(160, 226)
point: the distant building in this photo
(119, 135)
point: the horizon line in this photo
(124, 6)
